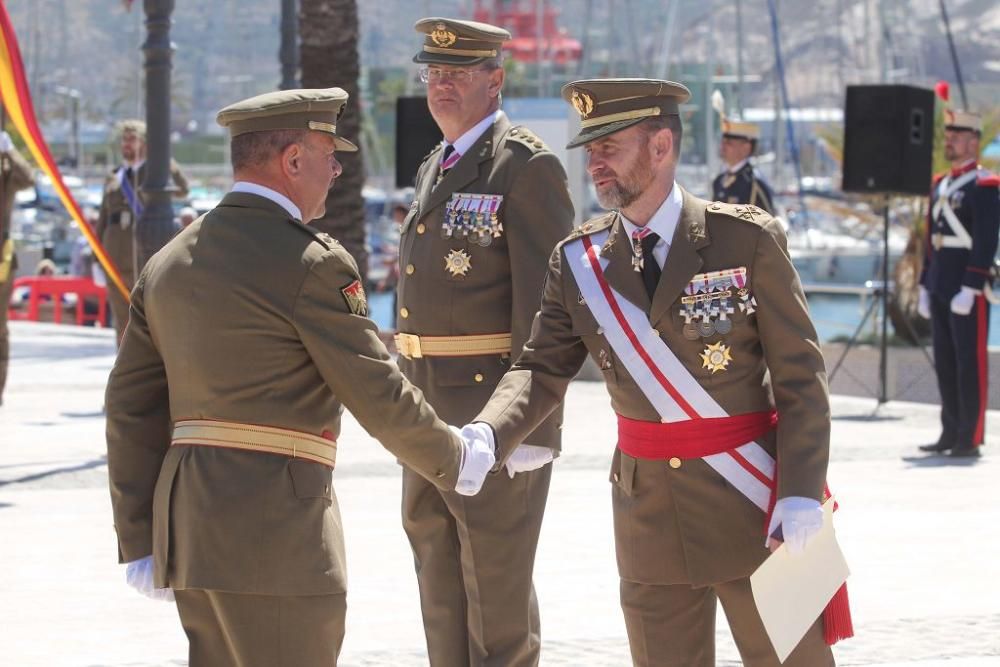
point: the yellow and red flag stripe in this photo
(16, 98)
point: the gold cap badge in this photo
(583, 103)
(442, 36)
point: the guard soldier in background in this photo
(491, 203)
(741, 182)
(15, 174)
(224, 407)
(962, 226)
(697, 319)
(121, 207)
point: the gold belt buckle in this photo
(937, 240)
(408, 345)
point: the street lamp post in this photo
(289, 52)
(156, 225)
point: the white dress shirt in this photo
(663, 223)
(464, 142)
(268, 193)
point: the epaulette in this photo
(592, 226)
(937, 178)
(745, 212)
(526, 137)
(322, 238)
(988, 179)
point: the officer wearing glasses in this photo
(491, 203)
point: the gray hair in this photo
(256, 148)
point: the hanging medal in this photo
(689, 313)
(495, 225)
(724, 325)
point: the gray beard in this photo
(617, 197)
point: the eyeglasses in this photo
(455, 76)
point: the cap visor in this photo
(344, 145)
(425, 58)
(590, 134)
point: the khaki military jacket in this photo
(242, 317)
(16, 175)
(500, 289)
(114, 203)
(686, 525)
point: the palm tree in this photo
(328, 33)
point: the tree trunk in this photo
(328, 33)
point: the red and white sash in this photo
(661, 376)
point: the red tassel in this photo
(942, 90)
(837, 622)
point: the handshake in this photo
(479, 457)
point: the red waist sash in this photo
(692, 438)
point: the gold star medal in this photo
(458, 263)
(716, 357)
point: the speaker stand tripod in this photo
(879, 302)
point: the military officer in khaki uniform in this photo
(697, 319)
(224, 409)
(15, 174)
(491, 202)
(741, 182)
(121, 206)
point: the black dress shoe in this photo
(936, 448)
(965, 453)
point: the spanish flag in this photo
(16, 99)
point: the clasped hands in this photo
(479, 457)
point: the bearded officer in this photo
(741, 182)
(962, 227)
(248, 337)
(15, 175)
(121, 206)
(697, 319)
(491, 203)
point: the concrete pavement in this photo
(921, 535)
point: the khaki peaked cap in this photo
(303, 109)
(740, 129)
(456, 42)
(610, 105)
(962, 120)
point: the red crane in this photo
(530, 44)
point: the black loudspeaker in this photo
(888, 139)
(416, 135)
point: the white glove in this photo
(478, 457)
(526, 458)
(961, 303)
(6, 145)
(924, 303)
(139, 575)
(800, 520)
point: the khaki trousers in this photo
(120, 246)
(240, 630)
(474, 559)
(674, 626)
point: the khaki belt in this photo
(255, 438)
(414, 347)
(939, 240)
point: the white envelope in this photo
(792, 591)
